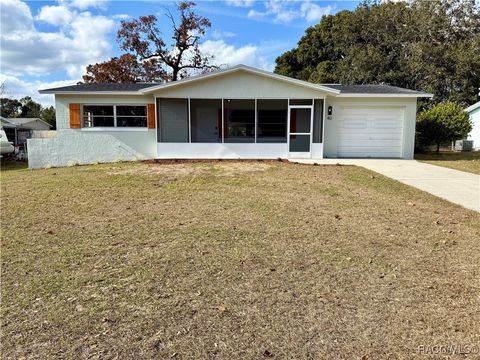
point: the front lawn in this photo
(464, 161)
(232, 260)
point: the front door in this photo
(300, 120)
(206, 126)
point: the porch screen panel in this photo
(173, 117)
(317, 120)
(239, 121)
(272, 118)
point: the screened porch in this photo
(239, 128)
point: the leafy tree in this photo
(124, 69)
(149, 57)
(29, 108)
(444, 122)
(431, 45)
(9, 107)
(47, 114)
(25, 107)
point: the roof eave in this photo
(363, 95)
(63, 92)
(473, 107)
(42, 121)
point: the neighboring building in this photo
(30, 123)
(237, 113)
(20, 129)
(4, 121)
(474, 112)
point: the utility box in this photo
(463, 145)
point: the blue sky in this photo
(49, 43)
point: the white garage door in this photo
(370, 132)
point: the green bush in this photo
(443, 123)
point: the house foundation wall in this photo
(221, 151)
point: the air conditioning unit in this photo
(464, 145)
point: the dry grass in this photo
(464, 161)
(187, 261)
(171, 171)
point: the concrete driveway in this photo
(458, 187)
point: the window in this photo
(114, 116)
(239, 121)
(98, 115)
(131, 116)
(272, 121)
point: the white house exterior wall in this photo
(62, 101)
(240, 85)
(88, 146)
(221, 151)
(330, 130)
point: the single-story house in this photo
(236, 113)
(474, 112)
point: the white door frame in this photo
(297, 154)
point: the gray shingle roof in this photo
(23, 120)
(101, 87)
(372, 89)
(137, 88)
(344, 89)
(22, 123)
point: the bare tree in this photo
(149, 58)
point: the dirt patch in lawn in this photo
(174, 170)
(273, 260)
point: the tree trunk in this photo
(438, 148)
(174, 74)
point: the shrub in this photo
(445, 122)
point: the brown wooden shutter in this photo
(75, 122)
(151, 116)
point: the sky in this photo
(49, 43)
